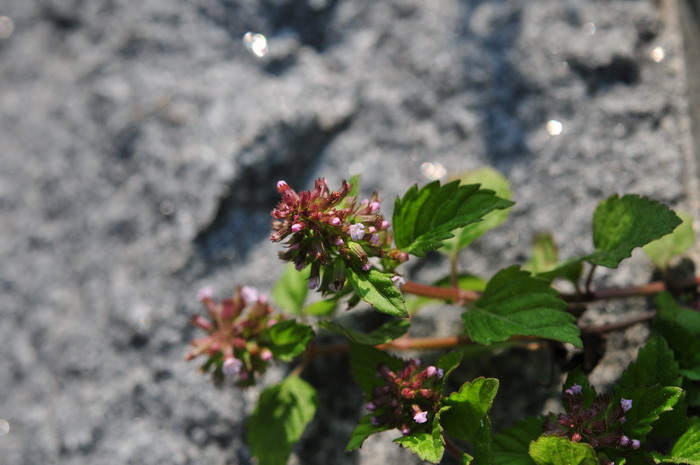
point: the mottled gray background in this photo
(140, 143)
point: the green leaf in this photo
(623, 224)
(321, 308)
(289, 339)
(428, 446)
(448, 362)
(655, 365)
(681, 329)
(468, 407)
(687, 448)
(553, 450)
(487, 178)
(515, 303)
(544, 262)
(648, 404)
(279, 419)
(426, 217)
(385, 333)
(467, 419)
(291, 288)
(362, 431)
(378, 290)
(511, 445)
(363, 366)
(682, 238)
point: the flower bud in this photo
(205, 293)
(232, 366)
(626, 404)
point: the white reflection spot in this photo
(432, 170)
(256, 44)
(658, 54)
(6, 27)
(589, 29)
(4, 427)
(554, 127)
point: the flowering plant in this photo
(346, 249)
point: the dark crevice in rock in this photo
(621, 70)
(286, 151)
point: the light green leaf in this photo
(363, 366)
(362, 431)
(279, 419)
(426, 217)
(429, 446)
(378, 290)
(387, 332)
(515, 303)
(544, 262)
(289, 339)
(553, 450)
(487, 178)
(511, 445)
(291, 288)
(623, 224)
(661, 251)
(321, 308)
(687, 448)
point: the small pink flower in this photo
(420, 417)
(366, 267)
(635, 444)
(574, 389)
(371, 407)
(250, 294)
(356, 231)
(384, 225)
(205, 293)
(626, 405)
(431, 371)
(374, 207)
(266, 354)
(296, 227)
(335, 221)
(398, 281)
(339, 242)
(232, 366)
(624, 441)
(374, 239)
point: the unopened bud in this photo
(266, 354)
(635, 444)
(335, 221)
(624, 441)
(576, 437)
(626, 405)
(384, 225)
(232, 366)
(296, 227)
(574, 389)
(250, 294)
(399, 282)
(205, 293)
(374, 207)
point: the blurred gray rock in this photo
(141, 143)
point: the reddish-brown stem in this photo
(442, 293)
(646, 316)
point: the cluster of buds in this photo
(330, 230)
(408, 399)
(599, 424)
(236, 344)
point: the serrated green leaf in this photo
(378, 290)
(515, 303)
(362, 431)
(385, 333)
(655, 365)
(687, 448)
(621, 224)
(648, 404)
(363, 366)
(466, 282)
(576, 376)
(279, 419)
(426, 217)
(553, 450)
(487, 178)
(467, 419)
(291, 288)
(511, 445)
(682, 238)
(289, 339)
(681, 329)
(428, 446)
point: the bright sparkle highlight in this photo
(256, 44)
(554, 127)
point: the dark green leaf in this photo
(448, 362)
(363, 365)
(511, 445)
(681, 329)
(487, 178)
(426, 217)
(682, 238)
(428, 446)
(362, 431)
(515, 303)
(279, 419)
(387, 332)
(378, 290)
(291, 288)
(648, 404)
(553, 450)
(655, 365)
(289, 339)
(623, 224)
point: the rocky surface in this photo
(141, 143)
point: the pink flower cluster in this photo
(236, 344)
(409, 397)
(330, 230)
